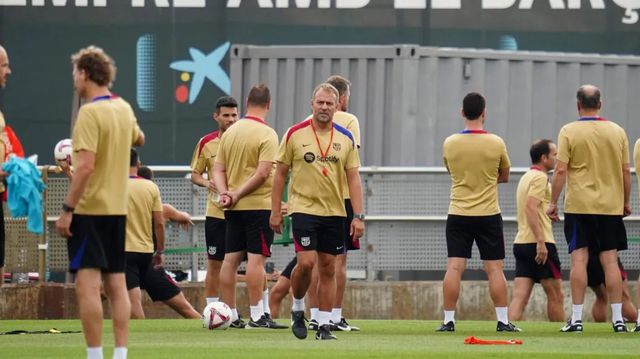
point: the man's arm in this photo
(84, 168)
(256, 180)
(557, 184)
(158, 227)
(172, 214)
(531, 212)
(626, 179)
(503, 174)
(139, 142)
(275, 222)
(355, 192)
(199, 180)
(220, 180)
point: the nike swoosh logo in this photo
(339, 248)
(306, 145)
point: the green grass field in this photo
(378, 339)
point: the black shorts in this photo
(1, 237)
(526, 266)
(159, 285)
(215, 230)
(318, 233)
(461, 231)
(597, 232)
(349, 243)
(141, 274)
(137, 266)
(595, 272)
(97, 242)
(286, 272)
(249, 231)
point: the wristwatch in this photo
(359, 216)
(67, 208)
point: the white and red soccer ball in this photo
(62, 151)
(216, 315)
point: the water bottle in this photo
(21, 276)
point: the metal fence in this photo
(408, 97)
(406, 214)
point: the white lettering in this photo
(283, 4)
(576, 4)
(630, 17)
(497, 4)
(410, 4)
(159, 3)
(351, 4)
(555, 4)
(189, 3)
(261, 3)
(13, 2)
(446, 4)
(58, 2)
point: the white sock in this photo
(265, 301)
(234, 314)
(298, 304)
(616, 312)
(638, 317)
(212, 299)
(336, 315)
(257, 311)
(315, 313)
(120, 353)
(577, 313)
(323, 318)
(94, 352)
(501, 314)
(449, 316)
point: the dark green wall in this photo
(37, 101)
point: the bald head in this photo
(589, 97)
(5, 71)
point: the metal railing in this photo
(406, 212)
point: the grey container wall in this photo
(408, 98)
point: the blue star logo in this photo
(205, 67)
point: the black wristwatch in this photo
(359, 216)
(67, 208)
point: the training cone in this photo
(474, 340)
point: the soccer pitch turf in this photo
(178, 338)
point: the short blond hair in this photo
(325, 86)
(99, 67)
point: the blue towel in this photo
(25, 189)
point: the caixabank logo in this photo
(198, 69)
(195, 70)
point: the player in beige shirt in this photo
(5, 71)
(145, 248)
(534, 248)
(319, 153)
(477, 161)
(243, 176)
(593, 160)
(636, 161)
(351, 123)
(94, 212)
(204, 155)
